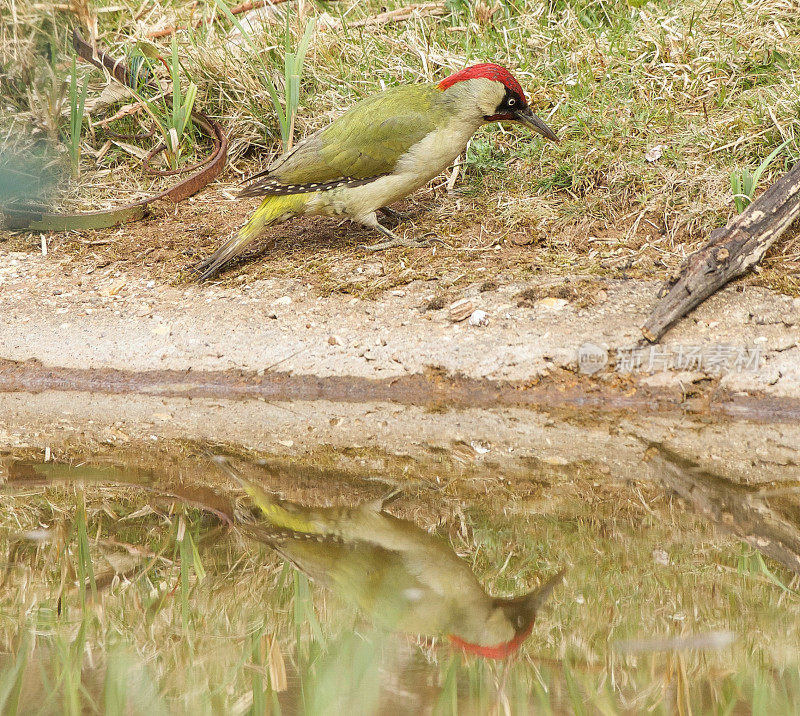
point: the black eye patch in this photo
(511, 101)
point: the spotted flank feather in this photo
(278, 535)
(269, 186)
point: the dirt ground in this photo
(313, 303)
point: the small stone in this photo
(286, 443)
(654, 153)
(480, 448)
(282, 301)
(461, 309)
(334, 340)
(661, 557)
(478, 318)
(551, 303)
(784, 343)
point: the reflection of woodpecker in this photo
(402, 577)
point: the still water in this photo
(188, 577)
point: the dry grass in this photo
(713, 84)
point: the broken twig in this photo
(730, 252)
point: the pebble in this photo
(461, 309)
(784, 343)
(334, 340)
(282, 301)
(552, 303)
(478, 318)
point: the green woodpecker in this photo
(382, 149)
(399, 575)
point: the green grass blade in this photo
(447, 703)
(273, 93)
(85, 568)
(302, 48)
(763, 166)
(11, 679)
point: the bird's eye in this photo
(511, 102)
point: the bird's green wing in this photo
(364, 143)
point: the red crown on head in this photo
(488, 70)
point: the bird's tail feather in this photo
(273, 210)
(282, 515)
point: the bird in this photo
(404, 578)
(382, 149)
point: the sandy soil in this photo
(66, 315)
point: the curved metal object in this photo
(34, 219)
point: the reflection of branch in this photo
(739, 509)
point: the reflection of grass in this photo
(204, 621)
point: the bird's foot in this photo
(408, 243)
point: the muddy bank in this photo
(130, 323)
(514, 440)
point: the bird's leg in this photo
(393, 239)
(394, 216)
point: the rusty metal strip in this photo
(34, 219)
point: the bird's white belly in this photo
(426, 159)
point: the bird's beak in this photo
(530, 120)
